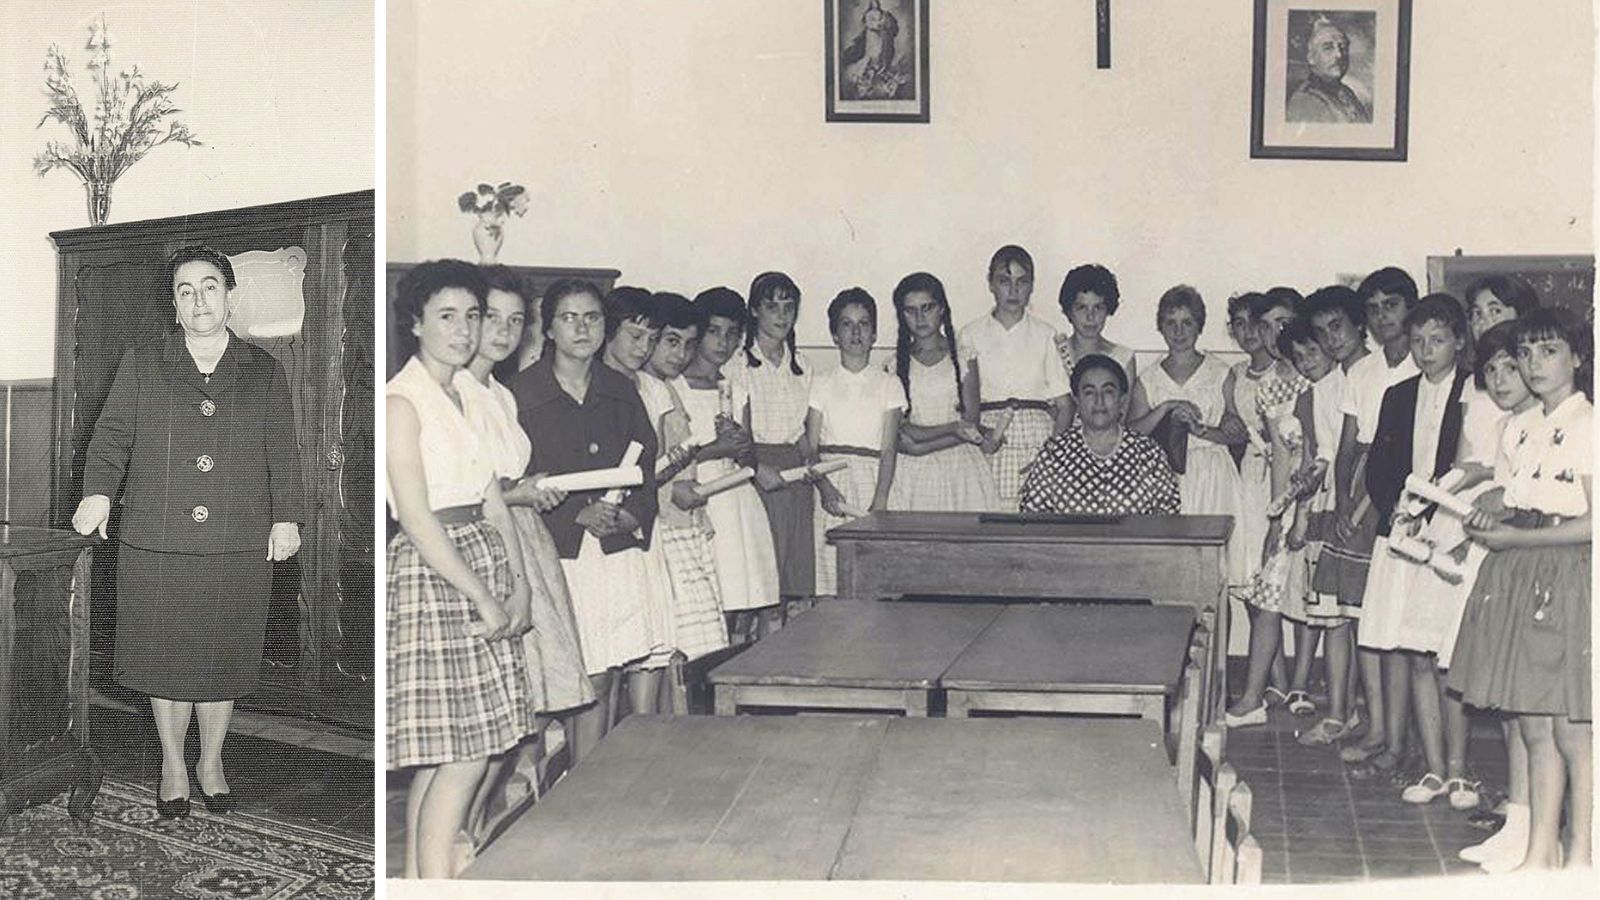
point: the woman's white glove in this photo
(94, 511)
(284, 541)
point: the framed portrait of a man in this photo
(877, 60)
(1331, 79)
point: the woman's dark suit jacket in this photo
(1389, 461)
(203, 467)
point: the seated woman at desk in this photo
(1097, 466)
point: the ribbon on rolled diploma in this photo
(822, 468)
(731, 480)
(1454, 504)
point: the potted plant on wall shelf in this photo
(130, 118)
(491, 204)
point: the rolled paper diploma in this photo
(1291, 433)
(593, 480)
(731, 480)
(630, 457)
(1448, 568)
(1433, 493)
(827, 467)
(1411, 548)
(1002, 422)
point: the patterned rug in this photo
(129, 853)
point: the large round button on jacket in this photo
(201, 514)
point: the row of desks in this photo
(834, 797)
(1114, 659)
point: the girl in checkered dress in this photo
(457, 598)
(1014, 386)
(940, 466)
(855, 417)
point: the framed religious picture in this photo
(1331, 79)
(877, 60)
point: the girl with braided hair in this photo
(940, 466)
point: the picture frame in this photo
(1330, 79)
(876, 58)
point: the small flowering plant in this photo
(130, 117)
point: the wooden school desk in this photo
(850, 654)
(1165, 559)
(814, 798)
(1073, 658)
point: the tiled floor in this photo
(1317, 824)
(299, 784)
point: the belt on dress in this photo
(1014, 403)
(848, 450)
(459, 515)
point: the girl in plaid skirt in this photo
(457, 601)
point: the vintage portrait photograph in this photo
(1331, 82)
(187, 554)
(1050, 492)
(877, 59)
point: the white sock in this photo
(1510, 842)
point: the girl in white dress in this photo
(940, 466)
(1197, 390)
(747, 564)
(855, 417)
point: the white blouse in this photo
(1548, 457)
(778, 397)
(1018, 362)
(456, 461)
(852, 405)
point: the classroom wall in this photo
(684, 143)
(280, 91)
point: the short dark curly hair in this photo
(425, 280)
(1102, 362)
(1090, 278)
(201, 253)
(559, 290)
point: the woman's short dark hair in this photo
(505, 278)
(1288, 297)
(1500, 338)
(1389, 280)
(1178, 297)
(1010, 253)
(1550, 322)
(559, 290)
(1091, 278)
(1295, 331)
(422, 282)
(1441, 308)
(766, 286)
(675, 311)
(852, 297)
(723, 302)
(1102, 362)
(200, 253)
(1277, 298)
(628, 304)
(1240, 303)
(1338, 298)
(1508, 289)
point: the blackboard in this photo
(1559, 280)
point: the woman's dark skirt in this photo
(190, 626)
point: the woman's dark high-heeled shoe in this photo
(173, 809)
(221, 802)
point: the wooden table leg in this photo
(957, 704)
(917, 704)
(725, 700)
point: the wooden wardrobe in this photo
(111, 293)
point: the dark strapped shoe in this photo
(173, 809)
(220, 803)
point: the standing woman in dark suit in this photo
(198, 434)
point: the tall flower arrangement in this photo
(491, 204)
(130, 117)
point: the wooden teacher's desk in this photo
(784, 797)
(1164, 559)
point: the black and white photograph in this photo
(187, 627)
(1055, 492)
(877, 59)
(1331, 82)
